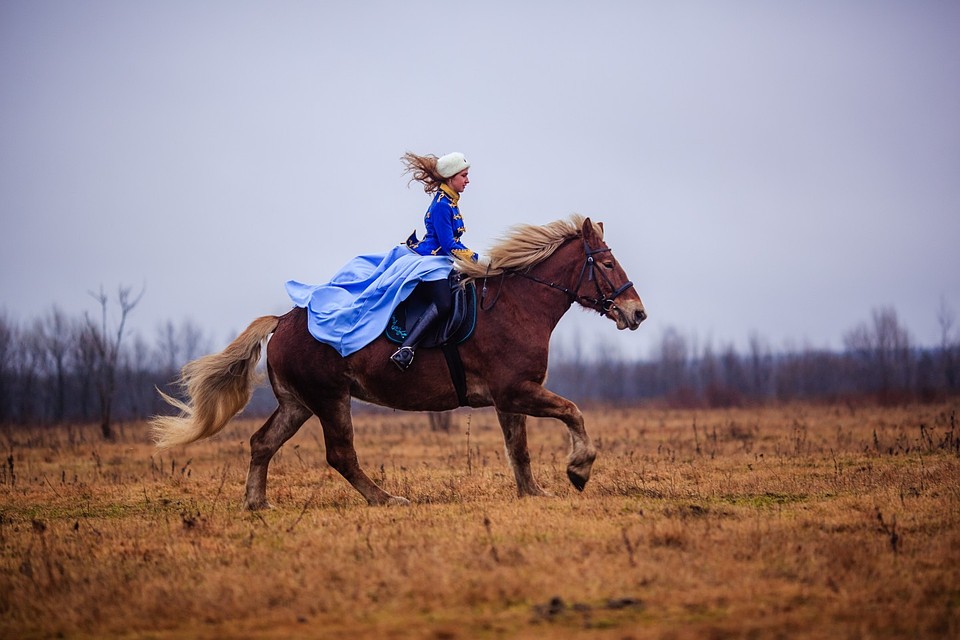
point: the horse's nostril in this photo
(641, 315)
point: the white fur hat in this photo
(451, 164)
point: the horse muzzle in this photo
(630, 315)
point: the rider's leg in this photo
(439, 293)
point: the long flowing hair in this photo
(423, 169)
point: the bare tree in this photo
(8, 341)
(86, 359)
(948, 347)
(178, 345)
(945, 318)
(55, 336)
(168, 347)
(761, 366)
(107, 347)
(708, 369)
(140, 393)
(195, 343)
(884, 348)
(734, 382)
(673, 354)
(28, 368)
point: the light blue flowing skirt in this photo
(351, 310)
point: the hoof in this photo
(397, 501)
(579, 467)
(257, 505)
(577, 480)
(535, 492)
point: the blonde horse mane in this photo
(526, 245)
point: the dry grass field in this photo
(792, 522)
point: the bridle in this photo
(603, 304)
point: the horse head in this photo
(603, 285)
(547, 254)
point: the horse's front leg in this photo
(342, 455)
(514, 427)
(532, 399)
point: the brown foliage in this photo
(797, 521)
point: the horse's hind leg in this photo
(514, 427)
(279, 428)
(341, 455)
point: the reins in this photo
(603, 304)
(483, 291)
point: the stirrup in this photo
(403, 358)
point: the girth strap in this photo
(457, 374)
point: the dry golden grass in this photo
(778, 522)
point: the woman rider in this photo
(446, 177)
(352, 309)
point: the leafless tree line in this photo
(879, 363)
(58, 369)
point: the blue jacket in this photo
(444, 228)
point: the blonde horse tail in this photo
(218, 387)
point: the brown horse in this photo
(536, 274)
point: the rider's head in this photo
(432, 171)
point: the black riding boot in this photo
(403, 357)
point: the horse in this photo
(535, 274)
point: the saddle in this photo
(456, 329)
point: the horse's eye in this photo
(608, 264)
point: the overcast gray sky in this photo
(772, 167)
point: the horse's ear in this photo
(598, 228)
(590, 232)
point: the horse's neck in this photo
(538, 304)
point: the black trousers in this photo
(438, 291)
